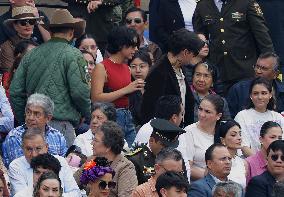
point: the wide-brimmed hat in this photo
(63, 18)
(22, 13)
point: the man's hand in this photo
(93, 5)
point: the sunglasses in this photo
(276, 157)
(104, 184)
(136, 20)
(27, 21)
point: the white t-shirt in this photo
(251, 121)
(193, 145)
(238, 171)
(187, 8)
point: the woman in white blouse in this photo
(200, 135)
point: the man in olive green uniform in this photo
(165, 134)
(237, 33)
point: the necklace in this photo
(112, 60)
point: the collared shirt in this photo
(21, 176)
(219, 4)
(216, 179)
(146, 189)
(12, 146)
(7, 119)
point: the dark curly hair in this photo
(113, 136)
(46, 161)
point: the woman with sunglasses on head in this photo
(270, 131)
(259, 110)
(87, 43)
(98, 175)
(200, 135)
(229, 134)
(111, 79)
(22, 22)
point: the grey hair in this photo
(228, 187)
(42, 101)
(168, 154)
(31, 133)
(107, 109)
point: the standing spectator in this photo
(111, 79)
(20, 170)
(200, 135)
(259, 111)
(218, 162)
(172, 184)
(6, 114)
(39, 35)
(237, 32)
(91, 63)
(270, 131)
(167, 76)
(262, 185)
(168, 159)
(172, 16)
(63, 80)
(136, 18)
(38, 113)
(268, 67)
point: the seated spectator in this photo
(24, 28)
(136, 18)
(200, 135)
(218, 161)
(229, 134)
(204, 76)
(172, 184)
(98, 175)
(101, 112)
(4, 191)
(259, 111)
(48, 184)
(38, 113)
(269, 132)
(168, 107)
(262, 185)
(227, 189)
(87, 42)
(20, 50)
(167, 159)
(165, 134)
(39, 35)
(40, 164)
(20, 170)
(6, 114)
(140, 65)
(108, 142)
(267, 66)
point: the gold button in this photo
(174, 21)
(223, 41)
(221, 19)
(238, 20)
(225, 53)
(222, 30)
(245, 57)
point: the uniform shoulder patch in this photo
(134, 152)
(257, 9)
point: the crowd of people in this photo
(92, 106)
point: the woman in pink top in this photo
(269, 132)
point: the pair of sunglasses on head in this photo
(24, 22)
(104, 184)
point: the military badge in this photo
(257, 9)
(237, 15)
(148, 171)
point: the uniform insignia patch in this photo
(257, 9)
(148, 170)
(134, 152)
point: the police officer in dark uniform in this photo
(165, 134)
(237, 33)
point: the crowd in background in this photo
(92, 106)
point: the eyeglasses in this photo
(136, 20)
(34, 113)
(31, 150)
(262, 68)
(140, 66)
(181, 172)
(104, 184)
(89, 47)
(27, 21)
(200, 75)
(276, 157)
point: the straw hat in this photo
(63, 18)
(22, 13)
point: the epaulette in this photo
(197, 1)
(134, 152)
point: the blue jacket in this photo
(202, 187)
(238, 96)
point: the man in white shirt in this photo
(21, 173)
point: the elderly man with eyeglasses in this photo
(38, 112)
(267, 66)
